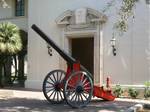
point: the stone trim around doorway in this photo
(90, 26)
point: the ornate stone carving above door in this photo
(83, 18)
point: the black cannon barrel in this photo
(65, 55)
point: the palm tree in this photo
(10, 44)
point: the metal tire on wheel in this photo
(52, 86)
(78, 89)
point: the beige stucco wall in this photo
(6, 12)
(21, 22)
(130, 65)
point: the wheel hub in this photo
(79, 89)
(57, 87)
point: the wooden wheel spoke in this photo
(87, 88)
(60, 78)
(82, 77)
(86, 92)
(49, 86)
(72, 97)
(54, 77)
(76, 96)
(49, 83)
(51, 79)
(57, 76)
(81, 98)
(50, 90)
(61, 90)
(84, 96)
(57, 96)
(51, 94)
(84, 80)
(86, 84)
(76, 99)
(54, 96)
(61, 95)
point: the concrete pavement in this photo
(23, 100)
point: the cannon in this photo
(75, 85)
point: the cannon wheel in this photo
(78, 89)
(52, 86)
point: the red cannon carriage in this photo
(75, 85)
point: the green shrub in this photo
(147, 89)
(118, 91)
(133, 92)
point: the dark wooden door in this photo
(83, 50)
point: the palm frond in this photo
(10, 40)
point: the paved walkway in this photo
(33, 101)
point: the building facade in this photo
(84, 31)
(16, 12)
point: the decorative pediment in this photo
(96, 15)
(81, 17)
(63, 18)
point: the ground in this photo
(25, 100)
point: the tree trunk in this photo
(1, 76)
(7, 71)
(21, 78)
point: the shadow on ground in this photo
(34, 105)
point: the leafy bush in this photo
(118, 91)
(147, 89)
(133, 92)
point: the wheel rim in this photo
(52, 86)
(79, 93)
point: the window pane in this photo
(19, 11)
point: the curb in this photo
(138, 107)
